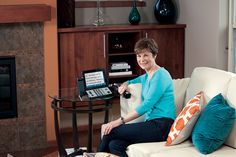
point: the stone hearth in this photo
(28, 130)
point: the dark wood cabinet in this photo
(171, 49)
(80, 51)
(89, 47)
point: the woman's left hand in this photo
(106, 128)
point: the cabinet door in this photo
(171, 49)
(78, 52)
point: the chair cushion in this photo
(213, 125)
(180, 86)
(191, 151)
(184, 123)
(146, 149)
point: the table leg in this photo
(61, 148)
(90, 133)
(75, 129)
(106, 118)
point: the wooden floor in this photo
(53, 151)
(47, 152)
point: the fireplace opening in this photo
(8, 100)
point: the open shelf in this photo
(121, 52)
(122, 42)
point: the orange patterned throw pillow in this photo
(182, 127)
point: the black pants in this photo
(120, 138)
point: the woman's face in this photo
(145, 59)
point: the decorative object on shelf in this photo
(165, 11)
(134, 16)
(117, 45)
(66, 14)
(99, 17)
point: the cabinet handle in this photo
(104, 46)
(146, 35)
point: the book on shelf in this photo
(121, 73)
(119, 70)
(120, 67)
(119, 64)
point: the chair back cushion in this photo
(180, 86)
(209, 80)
(231, 99)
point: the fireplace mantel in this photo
(25, 13)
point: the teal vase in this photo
(134, 17)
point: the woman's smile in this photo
(145, 60)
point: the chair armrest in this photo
(127, 105)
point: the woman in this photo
(157, 105)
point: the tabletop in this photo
(72, 95)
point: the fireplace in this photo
(22, 70)
(8, 103)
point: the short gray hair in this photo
(146, 43)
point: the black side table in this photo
(69, 101)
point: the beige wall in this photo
(51, 58)
(206, 33)
(115, 15)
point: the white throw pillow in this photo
(182, 127)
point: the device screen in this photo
(94, 79)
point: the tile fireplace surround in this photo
(28, 130)
(21, 36)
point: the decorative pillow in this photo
(213, 125)
(182, 127)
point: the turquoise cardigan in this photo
(157, 95)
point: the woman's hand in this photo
(123, 87)
(106, 128)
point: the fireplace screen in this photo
(8, 105)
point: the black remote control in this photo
(126, 94)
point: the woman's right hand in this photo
(106, 128)
(123, 87)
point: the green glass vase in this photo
(134, 16)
